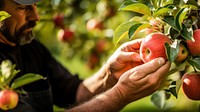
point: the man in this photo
(119, 82)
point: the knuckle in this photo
(137, 75)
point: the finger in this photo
(150, 66)
(131, 45)
(129, 56)
(161, 72)
(156, 78)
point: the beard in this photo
(20, 37)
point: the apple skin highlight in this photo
(191, 85)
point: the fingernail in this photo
(161, 61)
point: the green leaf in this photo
(121, 31)
(180, 16)
(155, 3)
(26, 79)
(158, 99)
(175, 87)
(133, 29)
(138, 31)
(182, 66)
(161, 3)
(3, 15)
(174, 33)
(173, 91)
(6, 69)
(163, 10)
(186, 32)
(170, 20)
(140, 19)
(172, 50)
(167, 2)
(198, 2)
(193, 2)
(178, 85)
(8, 72)
(195, 62)
(9, 79)
(135, 7)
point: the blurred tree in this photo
(91, 24)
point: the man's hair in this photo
(1, 4)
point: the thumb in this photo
(151, 66)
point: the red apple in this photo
(194, 46)
(191, 85)
(8, 99)
(153, 46)
(94, 24)
(65, 35)
(183, 54)
(59, 20)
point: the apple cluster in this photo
(191, 81)
(153, 46)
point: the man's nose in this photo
(32, 14)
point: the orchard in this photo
(83, 33)
(169, 28)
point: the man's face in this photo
(18, 27)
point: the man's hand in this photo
(142, 80)
(125, 57)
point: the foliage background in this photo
(81, 55)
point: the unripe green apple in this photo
(194, 46)
(191, 85)
(183, 54)
(8, 99)
(153, 46)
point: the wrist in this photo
(99, 82)
(109, 79)
(112, 100)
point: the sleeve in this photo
(64, 85)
